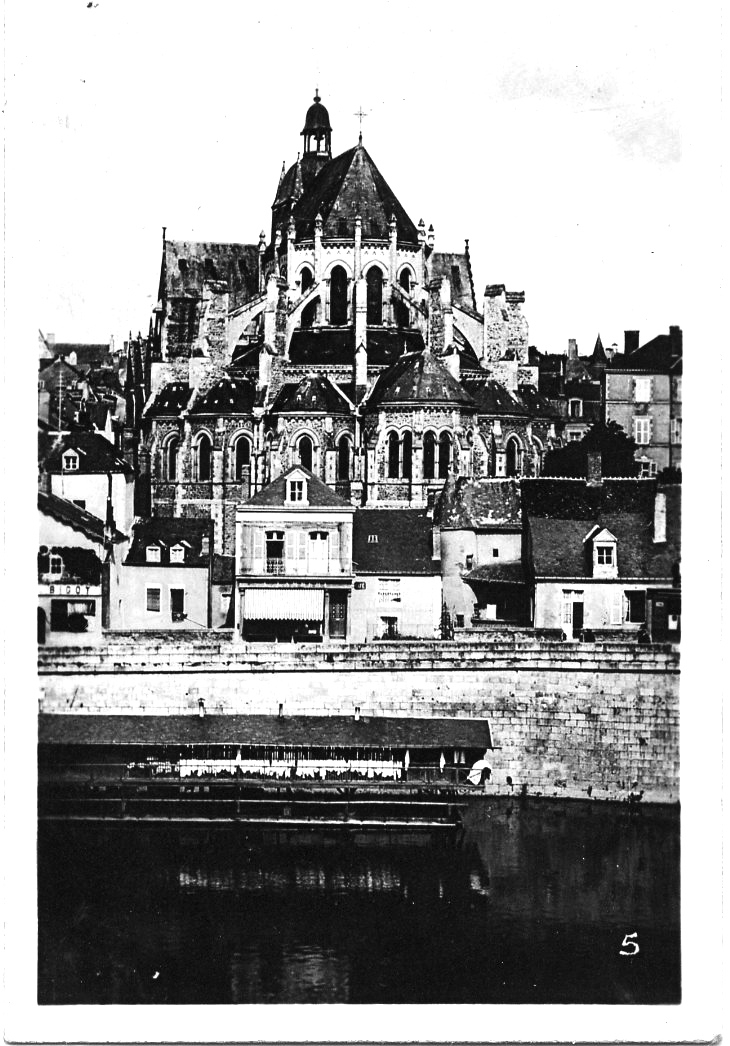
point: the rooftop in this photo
(479, 504)
(96, 454)
(288, 731)
(392, 541)
(67, 512)
(166, 532)
(318, 493)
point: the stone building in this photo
(346, 344)
(642, 392)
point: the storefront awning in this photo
(283, 604)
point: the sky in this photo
(552, 136)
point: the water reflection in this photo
(529, 903)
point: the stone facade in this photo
(347, 287)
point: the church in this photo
(344, 344)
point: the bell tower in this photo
(317, 135)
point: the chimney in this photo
(675, 342)
(572, 349)
(611, 351)
(631, 341)
(51, 341)
(594, 470)
(660, 518)
(44, 481)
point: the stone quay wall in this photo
(586, 719)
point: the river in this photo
(532, 901)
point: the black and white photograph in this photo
(371, 696)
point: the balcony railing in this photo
(298, 567)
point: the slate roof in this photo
(418, 378)
(660, 356)
(349, 185)
(169, 401)
(537, 404)
(498, 573)
(236, 264)
(87, 355)
(227, 396)
(315, 394)
(318, 493)
(287, 731)
(403, 545)
(96, 454)
(483, 504)
(491, 397)
(560, 513)
(166, 532)
(66, 512)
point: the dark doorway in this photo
(577, 619)
(338, 615)
(41, 625)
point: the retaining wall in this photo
(566, 719)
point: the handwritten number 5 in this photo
(628, 942)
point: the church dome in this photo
(318, 119)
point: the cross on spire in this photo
(361, 115)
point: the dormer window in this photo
(70, 461)
(296, 491)
(55, 565)
(177, 554)
(604, 552)
(153, 554)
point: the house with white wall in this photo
(604, 556)
(294, 561)
(79, 464)
(77, 580)
(397, 580)
(165, 578)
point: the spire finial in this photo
(361, 115)
(316, 95)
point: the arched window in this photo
(343, 458)
(305, 449)
(444, 455)
(241, 457)
(393, 456)
(203, 451)
(374, 280)
(310, 312)
(172, 448)
(402, 312)
(512, 457)
(407, 444)
(429, 456)
(338, 296)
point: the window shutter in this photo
(258, 546)
(617, 606)
(290, 544)
(302, 545)
(335, 547)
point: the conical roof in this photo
(418, 378)
(348, 186)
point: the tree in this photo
(617, 449)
